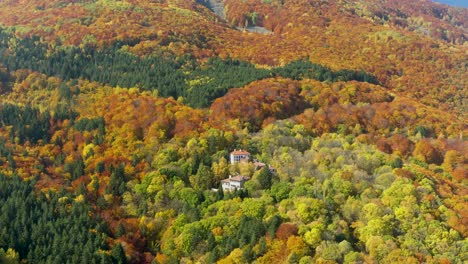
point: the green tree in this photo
(264, 178)
(309, 209)
(118, 254)
(280, 191)
(313, 237)
(220, 192)
(120, 231)
(117, 181)
(203, 179)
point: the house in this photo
(260, 165)
(234, 183)
(239, 156)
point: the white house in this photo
(239, 155)
(234, 183)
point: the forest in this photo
(118, 120)
(115, 67)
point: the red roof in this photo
(240, 178)
(236, 178)
(240, 152)
(259, 164)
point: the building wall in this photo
(238, 158)
(231, 186)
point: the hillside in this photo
(118, 118)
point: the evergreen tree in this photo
(118, 254)
(220, 192)
(120, 231)
(264, 178)
(117, 181)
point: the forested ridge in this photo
(170, 76)
(118, 118)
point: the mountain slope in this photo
(124, 114)
(406, 45)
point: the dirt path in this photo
(217, 7)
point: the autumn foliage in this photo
(124, 113)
